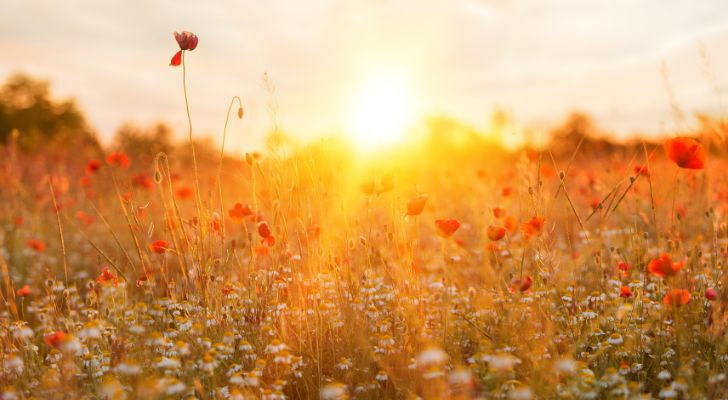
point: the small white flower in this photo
(432, 356)
(615, 339)
(664, 375)
(333, 391)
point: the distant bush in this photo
(31, 117)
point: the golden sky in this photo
(537, 59)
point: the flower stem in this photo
(198, 199)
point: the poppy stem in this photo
(675, 182)
(192, 144)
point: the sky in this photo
(536, 59)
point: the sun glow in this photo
(381, 111)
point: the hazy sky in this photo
(536, 58)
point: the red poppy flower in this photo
(93, 166)
(227, 289)
(55, 339)
(118, 158)
(263, 229)
(510, 223)
(685, 152)
(36, 245)
(262, 251)
(624, 268)
(314, 231)
(520, 285)
(19, 220)
(710, 294)
(186, 41)
(625, 292)
(24, 291)
(183, 193)
(84, 218)
(387, 184)
(663, 266)
(159, 246)
(594, 203)
(533, 226)
(642, 170)
(240, 211)
(496, 233)
(368, 188)
(447, 227)
(142, 180)
(265, 232)
(84, 181)
(106, 276)
(216, 226)
(499, 212)
(676, 297)
(416, 205)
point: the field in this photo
(433, 270)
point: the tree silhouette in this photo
(30, 116)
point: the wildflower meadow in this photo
(423, 270)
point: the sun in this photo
(381, 110)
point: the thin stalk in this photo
(198, 199)
(222, 155)
(60, 230)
